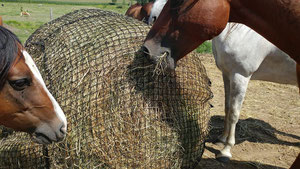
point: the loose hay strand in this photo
(161, 64)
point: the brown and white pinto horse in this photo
(140, 12)
(184, 24)
(25, 102)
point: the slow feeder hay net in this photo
(120, 113)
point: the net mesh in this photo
(120, 113)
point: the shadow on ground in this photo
(252, 130)
(210, 163)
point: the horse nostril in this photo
(145, 50)
(63, 129)
(166, 53)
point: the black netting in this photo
(120, 113)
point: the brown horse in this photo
(185, 24)
(1, 22)
(140, 12)
(25, 102)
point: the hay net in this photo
(120, 114)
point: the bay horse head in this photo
(25, 102)
(140, 12)
(181, 27)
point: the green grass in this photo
(206, 47)
(27, 27)
(23, 27)
(70, 2)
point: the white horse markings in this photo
(30, 63)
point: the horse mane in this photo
(176, 4)
(232, 27)
(8, 52)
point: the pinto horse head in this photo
(180, 28)
(25, 102)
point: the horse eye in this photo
(20, 84)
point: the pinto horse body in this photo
(241, 55)
(184, 24)
(140, 12)
(25, 102)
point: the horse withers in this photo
(140, 12)
(25, 102)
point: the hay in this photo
(120, 114)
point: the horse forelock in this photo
(9, 50)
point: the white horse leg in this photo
(238, 88)
(222, 139)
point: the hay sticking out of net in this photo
(161, 64)
(119, 114)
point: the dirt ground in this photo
(268, 132)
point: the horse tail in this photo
(298, 75)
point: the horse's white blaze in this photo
(30, 63)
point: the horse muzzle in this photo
(159, 55)
(46, 133)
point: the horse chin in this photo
(171, 64)
(41, 138)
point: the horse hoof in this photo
(223, 159)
